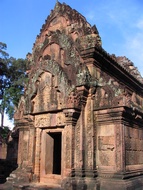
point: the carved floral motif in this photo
(77, 145)
(49, 120)
(89, 135)
(118, 148)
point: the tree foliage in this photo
(3, 67)
(4, 133)
(12, 80)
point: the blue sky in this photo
(119, 22)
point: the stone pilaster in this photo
(31, 146)
(80, 167)
(71, 116)
(37, 155)
(20, 147)
(120, 148)
(90, 138)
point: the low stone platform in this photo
(30, 186)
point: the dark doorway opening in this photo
(57, 149)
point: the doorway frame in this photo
(44, 178)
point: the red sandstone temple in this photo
(80, 121)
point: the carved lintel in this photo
(71, 116)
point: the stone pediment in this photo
(57, 52)
(66, 19)
(61, 38)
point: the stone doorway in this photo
(51, 155)
(55, 140)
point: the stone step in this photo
(51, 179)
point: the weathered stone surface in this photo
(80, 121)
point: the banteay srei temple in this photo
(80, 121)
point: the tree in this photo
(12, 80)
(3, 80)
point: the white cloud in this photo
(134, 50)
(90, 15)
(140, 24)
(126, 23)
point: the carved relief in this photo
(25, 145)
(106, 143)
(60, 119)
(73, 148)
(134, 146)
(105, 158)
(90, 41)
(21, 109)
(127, 97)
(68, 147)
(47, 95)
(89, 135)
(20, 152)
(31, 145)
(89, 155)
(137, 101)
(83, 76)
(25, 151)
(42, 120)
(74, 100)
(42, 99)
(37, 153)
(52, 51)
(57, 23)
(118, 148)
(109, 93)
(49, 120)
(77, 145)
(129, 66)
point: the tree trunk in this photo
(2, 118)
